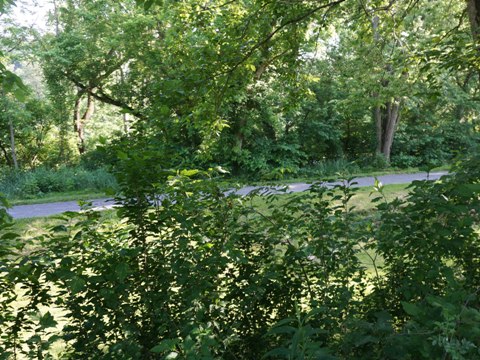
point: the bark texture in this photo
(387, 115)
(386, 121)
(473, 10)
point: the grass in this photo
(361, 201)
(60, 196)
(47, 185)
(289, 179)
(29, 229)
(35, 224)
(362, 207)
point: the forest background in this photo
(359, 91)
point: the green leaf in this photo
(121, 155)
(365, 340)
(77, 284)
(277, 352)
(59, 228)
(47, 321)
(283, 330)
(122, 271)
(411, 309)
(165, 345)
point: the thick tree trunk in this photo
(12, 145)
(386, 117)
(393, 116)
(239, 136)
(473, 10)
(386, 121)
(90, 108)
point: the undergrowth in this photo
(41, 181)
(196, 274)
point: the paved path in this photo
(36, 210)
(27, 211)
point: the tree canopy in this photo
(284, 86)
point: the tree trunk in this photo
(55, 14)
(77, 124)
(80, 121)
(386, 117)
(12, 145)
(238, 135)
(5, 154)
(379, 128)
(386, 121)
(126, 125)
(90, 108)
(473, 10)
(393, 116)
(64, 131)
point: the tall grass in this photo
(329, 168)
(41, 181)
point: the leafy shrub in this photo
(418, 145)
(196, 274)
(29, 186)
(406, 161)
(329, 168)
(97, 159)
(373, 162)
(43, 181)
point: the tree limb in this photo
(100, 95)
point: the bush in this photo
(328, 168)
(29, 186)
(44, 181)
(201, 275)
(406, 161)
(99, 158)
(370, 162)
(419, 145)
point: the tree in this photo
(187, 83)
(10, 82)
(473, 10)
(91, 46)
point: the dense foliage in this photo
(259, 88)
(43, 181)
(207, 275)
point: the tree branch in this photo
(100, 95)
(281, 27)
(269, 36)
